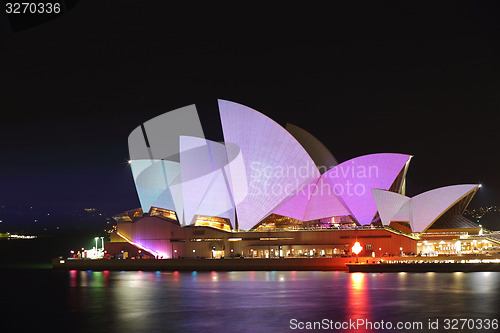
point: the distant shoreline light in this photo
(7, 235)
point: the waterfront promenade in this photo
(273, 264)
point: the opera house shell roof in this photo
(423, 210)
(262, 168)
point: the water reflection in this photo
(358, 299)
(73, 281)
(267, 301)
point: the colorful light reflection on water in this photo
(246, 301)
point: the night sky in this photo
(374, 77)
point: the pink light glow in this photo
(155, 253)
(353, 180)
(313, 201)
(346, 189)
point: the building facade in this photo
(269, 191)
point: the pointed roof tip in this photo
(402, 154)
(465, 187)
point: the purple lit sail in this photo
(353, 180)
(346, 189)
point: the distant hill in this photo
(491, 221)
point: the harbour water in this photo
(36, 300)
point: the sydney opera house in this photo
(271, 191)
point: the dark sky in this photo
(373, 77)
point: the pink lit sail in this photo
(324, 203)
(315, 200)
(353, 180)
(346, 189)
(296, 206)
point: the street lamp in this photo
(357, 249)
